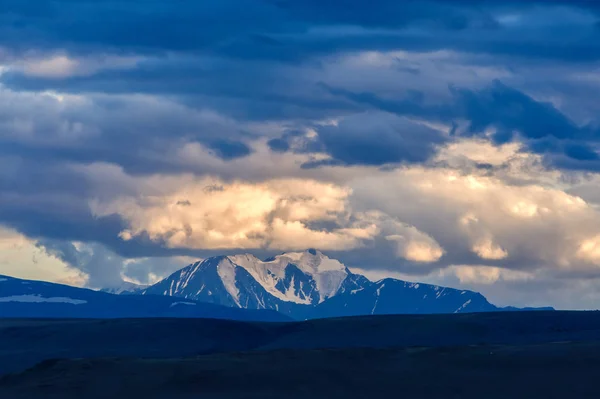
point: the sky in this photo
(453, 142)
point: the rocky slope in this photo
(309, 285)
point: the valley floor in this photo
(559, 370)
(495, 355)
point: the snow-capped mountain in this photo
(126, 288)
(289, 283)
(27, 298)
(309, 285)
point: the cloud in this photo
(22, 258)
(287, 30)
(101, 267)
(589, 250)
(487, 249)
(237, 215)
(94, 266)
(509, 111)
(284, 214)
(55, 67)
(60, 66)
(379, 138)
(508, 222)
(295, 235)
(424, 250)
(486, 274)
(133, 131)
(404, 137)
(503, 114)
(506, 216)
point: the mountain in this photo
(289, 283)
(126, 288)
(38, 299)
(307, 285)
(391, 296)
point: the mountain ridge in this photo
(307, 285)
(126, 288)
(40, 299)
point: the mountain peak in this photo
(242, 259)
(309, 284)
(328, 274)
(307, 277)
(310, 261)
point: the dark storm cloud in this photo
(512, 114)
(279, 145)
(228, 149)
(250, 90)
(510, 110)
(292, 30)
(276, 30)
(136, 133)
(244, 44)
(379, 138)
(296, 141)
(131, 25)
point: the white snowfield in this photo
(182, 303)
(226, 270)
(463, 306)
(325, 276)
(327, 273)
(40, 299)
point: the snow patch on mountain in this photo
(125, 288)
(463, 306)
(40, 299)
(328, 273)
(312, 261)
(269, 274)
(186, 275)
(227, 273)
(275, 276)
(182, 303)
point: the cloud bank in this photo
(454, 142)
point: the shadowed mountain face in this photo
(310, 285)
(390, 296)
(29, 299)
